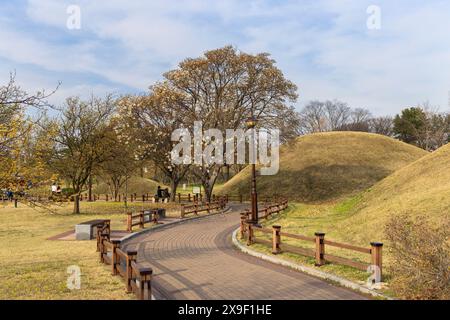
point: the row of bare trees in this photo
(423, 126)
(323, 116)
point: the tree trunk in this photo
(115, 188)
(227, 172)
(90, 188)
(76, 204)
(173, 189)
(208, 191)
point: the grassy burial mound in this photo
(328, 166)
(136, 185)
(419, 189)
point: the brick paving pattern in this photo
(197, 260)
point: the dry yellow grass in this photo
(32, 267)
(136, 185)
(421, 188)
(328, 166)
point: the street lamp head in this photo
(250, 122)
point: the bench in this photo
(88, 230)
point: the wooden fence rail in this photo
(196, 208)
(133, 197)
(199, 198)
(142, 217)
(137, 276)
(247, 232)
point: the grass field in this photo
(329, 166)
(32, 267)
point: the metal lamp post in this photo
(251, 124)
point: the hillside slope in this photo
(328, 166)
(421, 188)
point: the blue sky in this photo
(323, 46)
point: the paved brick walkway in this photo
(196, 260)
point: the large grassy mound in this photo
(419, 189)
(136, 185)
(328, 166)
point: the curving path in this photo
(197, 260)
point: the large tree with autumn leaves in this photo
(224, 87)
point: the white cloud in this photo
(323, 45)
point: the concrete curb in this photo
(173, 223)
(313, 272)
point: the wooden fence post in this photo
(243, 229)
(189, 197)
(102, 248)
(145, 289)
(114, 259)
(141, 219)
(376, 252)
(129, 221)
(240, 198)
(250, 234)
(155, 216)
(320, 248)
(276, 239)
(182, 210)
(106, 197)
(179, 197)
(131, 256)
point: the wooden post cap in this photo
(319, 234)
(115, 241)
(276, 227)
(145, 270)
(376, 244)
(132, 252)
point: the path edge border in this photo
(298, 267)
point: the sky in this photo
(379, 55)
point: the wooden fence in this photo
(241, 198)
(134, 197)
(198, 207)
(197, 197)
(137, 276)
(247, 232)
(141, 218)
